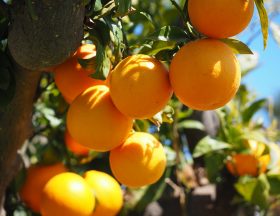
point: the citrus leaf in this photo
(260, 195)
(263, 19)
(157, 46)
(124, 7)
(252, 109)
(274, 182)
(237, 46)
(246, 186)
(154, 192)
(88, 63)
(214, 163)
(254, 190)
(207, 145)
(101, 37)
(191, 124)
(169, 33)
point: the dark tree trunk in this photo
(41, 35)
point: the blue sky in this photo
(264, 80)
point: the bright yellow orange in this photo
(107, 191)
(247, 164)
(67, 194)
(220, 18)
(36, 178)
(205, 74)
(71, 79)
(94, 121)
(139, 86)
(139, 161)
(257, 148)
(74, 146)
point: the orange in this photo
(257, 148)
(74, 146)
(220, 18)
(205, 74)
(37, 177)
(139, 86)
(94, 121)
(71, 79)
(107, 191)
(139, 161)
(67, 194)
(247, 164)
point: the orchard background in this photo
(37, 36)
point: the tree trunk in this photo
(15, 124)
(42, 34)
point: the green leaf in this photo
(252, 109)
(260, 195)
(103, 62)
(254, 190)
(157, 47)
(103, 11)
(237, 46)
(149, 18)
(169, 33)
(274, 182)
(207, 145)
(88, 63)
(124, 7)
(263, 19)
(214, 163)
(245, 187)
(191, 124)
(100, 35)
(154, 192)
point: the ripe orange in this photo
(220, 18)
(139, 161)
(253, 163)
(74, 146)
(107, 191)
(247, 164)
(71, 79)
(205, 74)
(139, 86)
(94, 121)
(67, 194)
(37, 177)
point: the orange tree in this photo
(184, 48)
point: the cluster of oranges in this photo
(204, 75)
(53, 191)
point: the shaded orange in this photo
(71, 79)
(74, 146)
(139, 161)
(107, 191)
(67, 194)
(94, 121)
(205, 74)
(139, 86)
(37, 177)
(220, 18)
